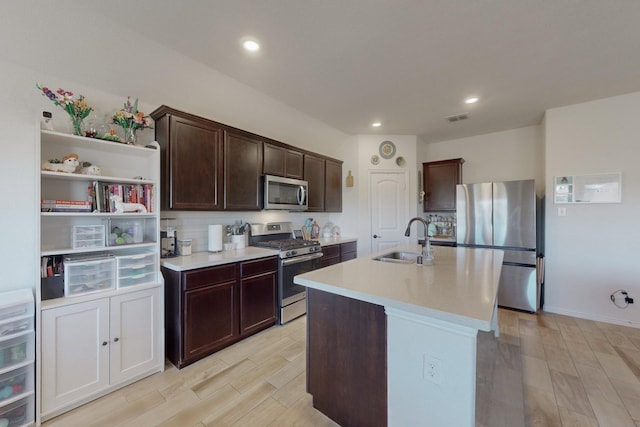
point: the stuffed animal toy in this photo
(69, 164)
(122, 207)
(89, 169)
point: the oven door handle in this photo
(302, 258)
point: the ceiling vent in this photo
(457, 117)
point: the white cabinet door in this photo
(75, 352)
(135, 341)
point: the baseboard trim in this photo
(589, 316)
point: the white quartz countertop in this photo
(210, 259)
(460, 287)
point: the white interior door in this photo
(389, 207)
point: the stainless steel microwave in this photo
(285, 193)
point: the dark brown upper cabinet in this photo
(242, 171)
(190, 160)
(440, 179)
(282, 161)
(314, 174)
(294, 164)
(210, 166)
(333, 186)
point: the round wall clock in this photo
(387, 149)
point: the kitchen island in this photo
(417, 323)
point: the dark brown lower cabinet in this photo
(348, 251)
(330, 255)
(340, 252)
(347, 359)
(258, 288)
(208, 309)
(210, 319)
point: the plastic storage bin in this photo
(130, 231)
(20, 413)
(16, 325)
(16, 304)
(87, 236)
(17, 350)
(87, 276)
(139, 269)
(16, 383)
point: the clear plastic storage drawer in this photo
(88, 276)
(20, 413)
(15, 325)
(88, 236)
(16, 383)
(16, 304)
(16, 350)
(137, 269)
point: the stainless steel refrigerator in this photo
(502, 215)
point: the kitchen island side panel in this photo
(173, 315)
(347, 359)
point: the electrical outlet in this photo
(432, 369)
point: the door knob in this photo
(375, 236)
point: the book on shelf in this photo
(101, 192)
(65, 206)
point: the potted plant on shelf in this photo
(130, 119)
(77, 108)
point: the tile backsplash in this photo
(193, 225)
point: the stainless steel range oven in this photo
(296, 256)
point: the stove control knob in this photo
(294, 253)
(288, 253)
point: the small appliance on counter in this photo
(168, 238)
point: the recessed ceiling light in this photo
(376, 124)
(471, 100)
(251, 45)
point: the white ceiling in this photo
(406, 63)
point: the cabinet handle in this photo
(116, 339)
(104, 343)
(375, 236)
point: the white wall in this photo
(88, 52)
(500, 156)
(594, 250)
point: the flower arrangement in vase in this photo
(77, 108)
(130, 119)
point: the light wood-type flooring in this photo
(543, 370)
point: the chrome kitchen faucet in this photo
(426, 245)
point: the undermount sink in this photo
(399, 257)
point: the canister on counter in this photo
(184, 247)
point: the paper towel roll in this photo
(215, 238)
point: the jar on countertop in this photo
(327, 230)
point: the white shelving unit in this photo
(96, 341)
